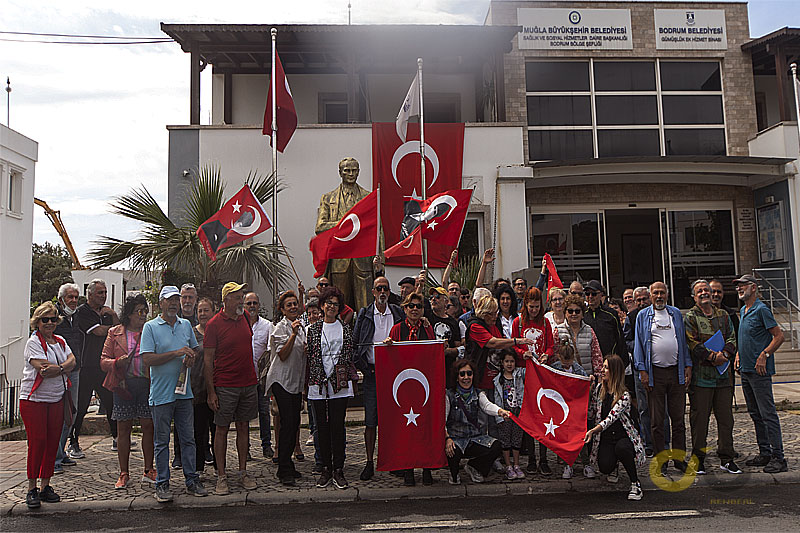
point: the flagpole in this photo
(378, 237)
(422, 157)
(275, 236)
(287, 256)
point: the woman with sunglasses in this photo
(581, 335)
(129, 379)
(413, 329)
(48, 361)
(556, 315)
(467, 412)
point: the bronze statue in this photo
(352, 276)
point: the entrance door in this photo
(633, 248)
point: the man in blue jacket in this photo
(373, 324)
(661, 355)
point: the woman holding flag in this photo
(615, 438)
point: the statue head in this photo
(348, 170)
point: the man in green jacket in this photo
(710, 389)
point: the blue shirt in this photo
(159, 337)
(754, 336)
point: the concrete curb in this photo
(438, 490)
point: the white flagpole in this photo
(422, 157)
(274, 33)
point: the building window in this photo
(14, 204)
(333, 108)
(595, 108)
(573, 240)
(443, 108)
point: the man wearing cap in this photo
(759, 338)
(167, 347)
(446, 329)
(605, 322)
(231, 380)
(373, 325)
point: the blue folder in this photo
(715, 344)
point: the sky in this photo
(99, 113)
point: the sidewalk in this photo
(90, 484)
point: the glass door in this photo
(574, 240)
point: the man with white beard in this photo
(373, 325)
(67, 304)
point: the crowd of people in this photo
(194, 369)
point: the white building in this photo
(18, 156)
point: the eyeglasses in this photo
(464, 373)
(576, 293)
(382, 288)
(142, 312)
(46, 319)
(574, 311)
(323, 284)
(414, 306)
(591, 293)
(332, 303)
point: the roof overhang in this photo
(711, 170)
(763, 49)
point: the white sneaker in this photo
(567, 472)
(474, 475)
(636, 491)
(498, 466)
(457, 481)
(510, 473)
(588, 472)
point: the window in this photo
(572, 240)
(14, 204)
(333, 108)
(596, 108)
(470, 243)
(442, 107)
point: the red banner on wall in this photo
(396, 169)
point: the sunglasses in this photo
(574, 311)
(591, 293)
(576, 293)
(323, 284)
(46, 319)
(382, 288)
(332, 304)
(414, 306)
(465, 373)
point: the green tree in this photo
(50, 268)
(163, 244)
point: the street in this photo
(758, 508)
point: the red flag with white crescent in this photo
(240, 218)
(554, 409)
(409, 378)
(286, 114)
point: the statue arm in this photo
(324, 221)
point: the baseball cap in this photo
(407, 279)
(437, 290)
(168, 291)
(232, 286)
(595, 286)
(746, 278)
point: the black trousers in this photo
(289, 406)
(92, 381)
(668, 397)
(610, 452)
(481, 457)
(329, 415)
(203, 426)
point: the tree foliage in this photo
(50, 268)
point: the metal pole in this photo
(422, 158)
(8, 101)
(274, 33)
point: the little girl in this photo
(567, 363)
(509, 387)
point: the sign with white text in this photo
(690, 29)
(570, 29)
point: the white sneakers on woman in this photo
(635, 492)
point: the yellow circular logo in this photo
(663, 482)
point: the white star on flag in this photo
(411, 417)
(551, 428)
(432, 225)
(236, 206)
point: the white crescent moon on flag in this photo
(409, 242)
(556, 397)
(252, 228)
(416, 375)
(356, 227)
(412, 147)
(444, 199)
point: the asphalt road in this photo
(753, 508)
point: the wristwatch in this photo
(766, 353)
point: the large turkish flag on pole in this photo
(286, 114)
(396, 168)
(409, 378)
(239, 219)
(554, 409)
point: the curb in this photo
(352, 494)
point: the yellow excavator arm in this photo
(55, 219)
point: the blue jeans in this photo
(183, 414)
(761, 407)
(74, 377)
(644, 415)
(263, 418)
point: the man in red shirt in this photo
(231, 380)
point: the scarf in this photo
(413, 330)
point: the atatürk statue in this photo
(352, 276)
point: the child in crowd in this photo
(509, 387)
(567, 363)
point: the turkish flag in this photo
(552, 275)
(554, 409)
(396, 169)
(239, 219)
(409, 378)
(286, 114)
(411, 246)
(354, 236)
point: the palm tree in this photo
(165, 244)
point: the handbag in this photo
(341, 376)
(69, 408)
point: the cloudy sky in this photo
(99, 112)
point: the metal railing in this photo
(9, 403)
(776, 290)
